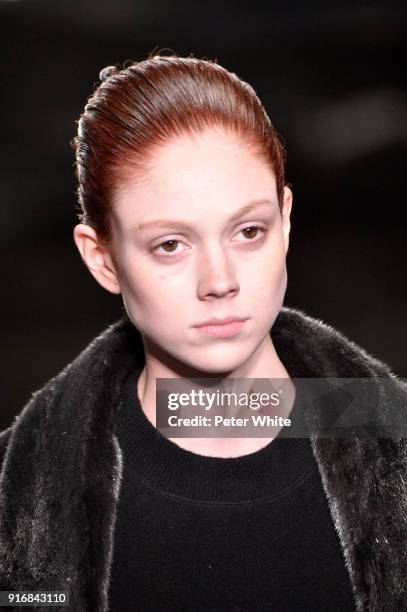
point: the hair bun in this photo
(107, 72)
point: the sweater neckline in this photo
(270, 472)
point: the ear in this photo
(96, 257)
(285, 215)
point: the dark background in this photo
(331, 75)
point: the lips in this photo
(227, 328)
(219, 321)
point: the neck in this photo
(264, 363)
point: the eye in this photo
(169, 247)
(250, 229)
(172, 247)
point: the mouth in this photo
(222, 330)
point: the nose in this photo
(216, 275)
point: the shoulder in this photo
(314, 348)
(4, 440)
(77, 386)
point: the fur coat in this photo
(62, 467)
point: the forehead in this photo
(212, 173)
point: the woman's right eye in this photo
(171, 244)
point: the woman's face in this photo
(185, 251)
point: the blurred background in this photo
(332, 78)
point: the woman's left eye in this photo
(250, 229)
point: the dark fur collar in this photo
(62, 470)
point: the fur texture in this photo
(62, 468)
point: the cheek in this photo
(153, 298)
(278, 282)
(269, 274)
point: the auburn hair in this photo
(138, 108)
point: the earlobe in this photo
(96, 257)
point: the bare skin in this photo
(220, 447)
(173, 277)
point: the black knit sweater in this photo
(209, 534)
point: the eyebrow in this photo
(175, 224)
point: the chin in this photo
(220, 366)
